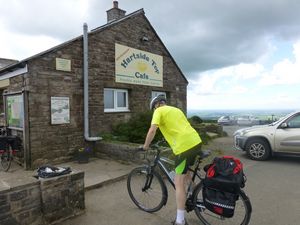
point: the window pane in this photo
(108, 99)
(121, 99)
(157, 93)
(294, 122)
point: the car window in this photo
(294, 122)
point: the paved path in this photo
(98, 172)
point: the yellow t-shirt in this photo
(176, 129)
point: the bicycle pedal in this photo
(189, 206)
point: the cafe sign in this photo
(134, 66)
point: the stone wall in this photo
(21, 205)
(44, 201)
(62, 197)
(117, 150)
(124, 152)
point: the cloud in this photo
(227, 81)
(58, 19)
(37, 44)
(218, 34)
(201, 35)
(284, 72)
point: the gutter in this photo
(86, 86)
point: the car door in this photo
(287, 136)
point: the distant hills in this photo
(260, 114)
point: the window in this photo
(156, 93)
(294, 122)
(115, 100)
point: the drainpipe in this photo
(86, 86)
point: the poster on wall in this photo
(60, 110)
(15, 111)
(63, 64)
(134, 66)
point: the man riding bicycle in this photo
(184, 141)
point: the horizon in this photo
(259, 113)
(251, 109)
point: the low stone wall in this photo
(62, 197)
(120, 151)
(45, 201)
(21, 205)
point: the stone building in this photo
(67, 96)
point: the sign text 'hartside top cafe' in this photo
(135, 66)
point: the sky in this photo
(235, 54)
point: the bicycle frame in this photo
(158, 160)
(165, 170)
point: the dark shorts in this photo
(186, 159)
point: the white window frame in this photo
(156, 93)
(116, 108)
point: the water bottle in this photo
(172, 175)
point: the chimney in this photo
(115, 13)
(116, 4)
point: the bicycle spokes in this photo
(146, 190)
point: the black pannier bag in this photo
(223, 180)
(47, 171)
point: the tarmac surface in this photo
(273, 187)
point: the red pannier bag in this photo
(223, 180)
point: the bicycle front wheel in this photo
(242, 212)
(6, 158)
(147, 190)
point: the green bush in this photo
(204, 137)
(135, 130)
(195, 120)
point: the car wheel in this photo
(258, 149)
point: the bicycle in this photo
(7, 152)
(148, 191)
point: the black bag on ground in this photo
(48, 171)
(223, 180)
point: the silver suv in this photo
(261, 142)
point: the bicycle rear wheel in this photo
(146, 190)
(242, 212)
(6, 159)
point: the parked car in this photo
(226, 120)
(261, 142)
(247, 120)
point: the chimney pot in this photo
(115, 12)
(115, 4)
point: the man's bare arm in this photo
(150, 135)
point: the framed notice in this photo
(15, 111)
(63, 64)
(60, 110)
(134, 66)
